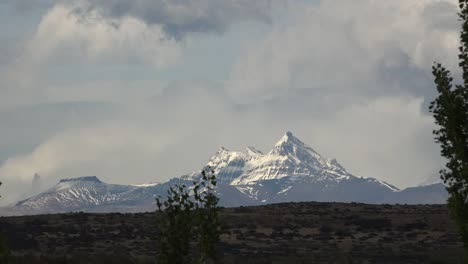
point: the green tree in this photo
(188, 222)
(207, 221)
(450, 110)
(175, 225)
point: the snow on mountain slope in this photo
(290, 158)
(83, 192)
(150, 184)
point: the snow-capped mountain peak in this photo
(289, 138)
(292, 146)
(288, 143)
(286, 137)
(290, 157)
(296, 150)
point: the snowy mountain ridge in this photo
(290, 172)
(290, 157)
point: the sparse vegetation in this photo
(264, 234)
(450, 110)
(189, 216)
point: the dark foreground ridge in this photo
(280, 233)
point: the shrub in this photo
(189, 223)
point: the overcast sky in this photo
(146, 90)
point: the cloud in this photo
(97, 37)
(389, 138)
(99, 134)
(116, 149)
(23, 128)
(179, 18)
(65, 38)
(76, 34)
(350, 48)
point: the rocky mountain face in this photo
(290, 172)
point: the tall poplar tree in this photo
(450, 110)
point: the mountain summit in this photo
(289, 144)
(290, 157)
(289, 139)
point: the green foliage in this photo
(189, 222)
(450, 110)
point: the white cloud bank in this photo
(346, 46)
(65, 37)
